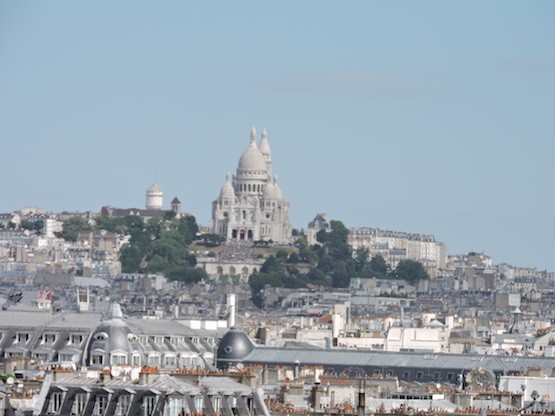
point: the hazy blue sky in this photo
(431, 117)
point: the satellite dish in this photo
(240, 366)
(116, 371)
(10, 380)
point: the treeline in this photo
(155, 246)
(331, 264)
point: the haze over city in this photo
(423, 117)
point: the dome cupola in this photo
(233, 347)
(252, 162)
(227, 191)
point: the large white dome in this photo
(252, 160)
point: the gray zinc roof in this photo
(360, 358)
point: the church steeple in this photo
(264, 148)
(253, 135)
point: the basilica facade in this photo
(251, 206)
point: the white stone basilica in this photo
(250, 206)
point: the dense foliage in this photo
(35, 226)
(331, 264)
(72, 227)
(157, 245)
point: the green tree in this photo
(113, 224)
(131, 257)
(362, 257)
(293, 258)
(72, 227)
(379, 265)
(161, 245)
(211, 240)
(335, 256)
(34, 226)
(411, 271)
(273, 264)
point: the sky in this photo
(429, 117)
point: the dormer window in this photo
(76, 339)
(48, 338)
(136, 360)
(118, 359)
(97, 358)
(22, 337)
(55, 403)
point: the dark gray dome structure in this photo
(233, 347)
(112, 341)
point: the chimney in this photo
(230, 301)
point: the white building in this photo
(395, 246)
(251, 206)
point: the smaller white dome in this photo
(227, 191)
(270, 191)
(277, 189)
(153, 189)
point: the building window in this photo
(175, 406)
(66, 357)
(406, 374)
(48, 338)
(100, 405)
(22, 337)
(154, 361)
(79, 403)
(419, 375)
(148, 406)
(97, 359)
(123, 405)
(55, 403)
(118, 359)
(217, 404)
(198, 404)
(76, 339)
(450, 376)
(136, 360)
(436, 376)
(169, 361)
